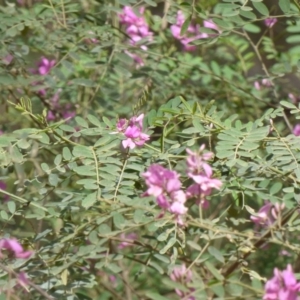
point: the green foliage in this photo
(74, 194)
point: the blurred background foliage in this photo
(72, 191)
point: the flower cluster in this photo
(165, 186)
(14, 247)
(136, 26)
(267, 214)
(201, 173)
(193, 32)
(182, 275)
(283, 285)
(132, 130)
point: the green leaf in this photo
(67, 155)
(261, 7)
(83, 82)
(214, 271)
(89, 200)
(293, 39)
(185, 25)
(16, 155)
(119, 220)
(45, 168)
(288, 104)
(53, 179)
(95, 121)
(170, 243)
(216, 254)
(275, 188)
(284, 5)
(216, 68)
(155, 296)
(83, 151)
(251, 28)
(11, 206)
(248, 14)
(85, 170)
(81, 122)
(103, 140)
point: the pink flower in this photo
(136, 26)
(296, 130)
(192, 33)
(263, 83)
(270, 22)
(165, 186)
(283, 286)
(137, 59)
(182, 275)
(14, 246)
(132, 130)
(201, 173)
(130, 236)
(295, 99)
(267, 214)
(66, 111)
(7, 59)
(22, 280)
(45, 65)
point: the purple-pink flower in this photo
(183, 276)
(201, 173)
(270, 22)
(295, 99)
(192, 33)
(133, 131)
(45, 65)
(296, 130)
(267, 214)
(130, 236)
(66, 111)
(165, 186)
(283, 286)
(136, 26)
(263, 83)
(14, 247)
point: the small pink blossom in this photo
(22, 280)
(263, 83)
(201, 173)
(131, 236)
(132, 130)
(183, 276)
(192, 33)
(296, 130)
(267, 214)
(293, 98)
(66, 111)
(15, 247)
(270, 22)
(136, 26)
(45, 65)
(166, 187)
(283, 286)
